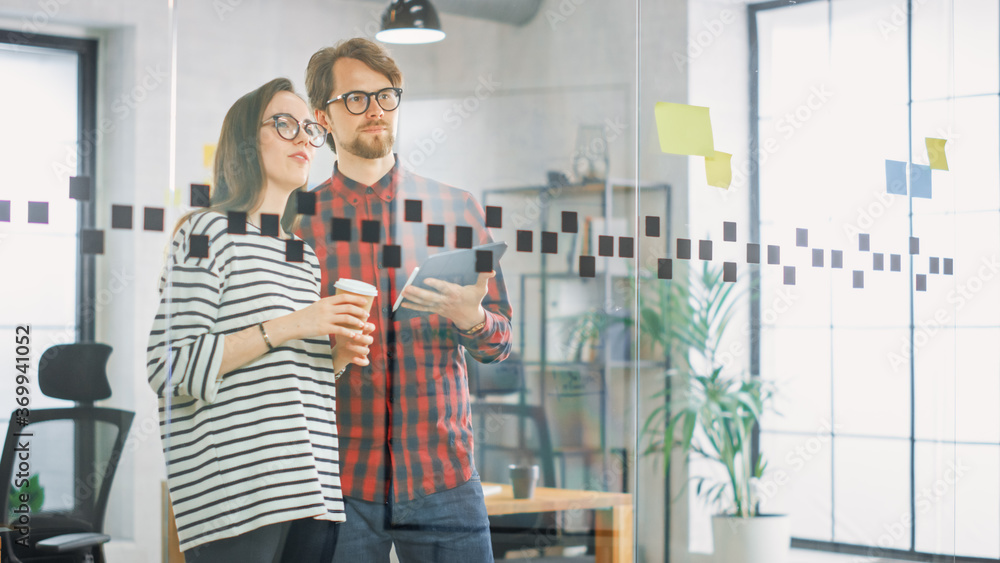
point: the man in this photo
(406, 448)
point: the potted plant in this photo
(711, 414)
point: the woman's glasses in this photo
(288, 128)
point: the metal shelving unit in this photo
(604, 193)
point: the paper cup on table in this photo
(366, 290)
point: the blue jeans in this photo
(445, 527)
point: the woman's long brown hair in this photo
(238, 179)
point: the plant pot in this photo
(761, 539)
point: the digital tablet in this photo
(455, 266)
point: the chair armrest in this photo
(72, 542)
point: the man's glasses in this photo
(288, 128)
(357, 102)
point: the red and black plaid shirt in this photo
(404, 420)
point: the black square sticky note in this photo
(934, 265)
(789, 275)
(494, 217)
(305, 202)
(773, 254)
(753, 253)
(91, 241)
(294, 251)
(878, 262)
(836, 258)
(652, 226)
(817, 258)
(435, 235)
(370, 231)
(270, 224)
(152, 219)
(729, 231)
(237, 222)
(626, 247)
(121, 216)
(484, 261)
(463, 237)
(550, 242)
(665, 269)
(895, 263)
(704, 250)
(729, 271)
(605, 245)
(5, 211)
(588, 267)
(392, 256)
(525, 241)
(859, 279)
(413, 211)
(864, 242)
(801, 237)
(79, 188)
(569, 223)
(340, 229)
(200, 195)
(914, 245)
(684, 248)
(199, 246)
(948, 266)
(921, 282)
(38, 212)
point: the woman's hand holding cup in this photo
(353, 349)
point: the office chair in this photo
(511, 433)
(72, 454)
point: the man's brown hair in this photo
(319, 73)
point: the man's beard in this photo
(377, 148)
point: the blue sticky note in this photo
(920, 181)
(895, 177)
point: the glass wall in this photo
(728, 224)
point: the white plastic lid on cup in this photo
(355, 286)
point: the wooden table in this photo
(612, 521)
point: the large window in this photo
(887, 363)
(48, 100)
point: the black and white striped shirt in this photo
(260, 446)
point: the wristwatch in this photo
(474, 329)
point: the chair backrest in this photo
(507, 434)
(75, 372)
(501, 378)
(71, 458)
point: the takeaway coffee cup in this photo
(366, 290)
(523, 479)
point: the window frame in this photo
(755, 303)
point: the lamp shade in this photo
(410, 22)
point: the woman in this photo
(239, 354)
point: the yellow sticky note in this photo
(935, 153)
(684, 129)
(171, 197)
(719, 170)
(208, 155)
